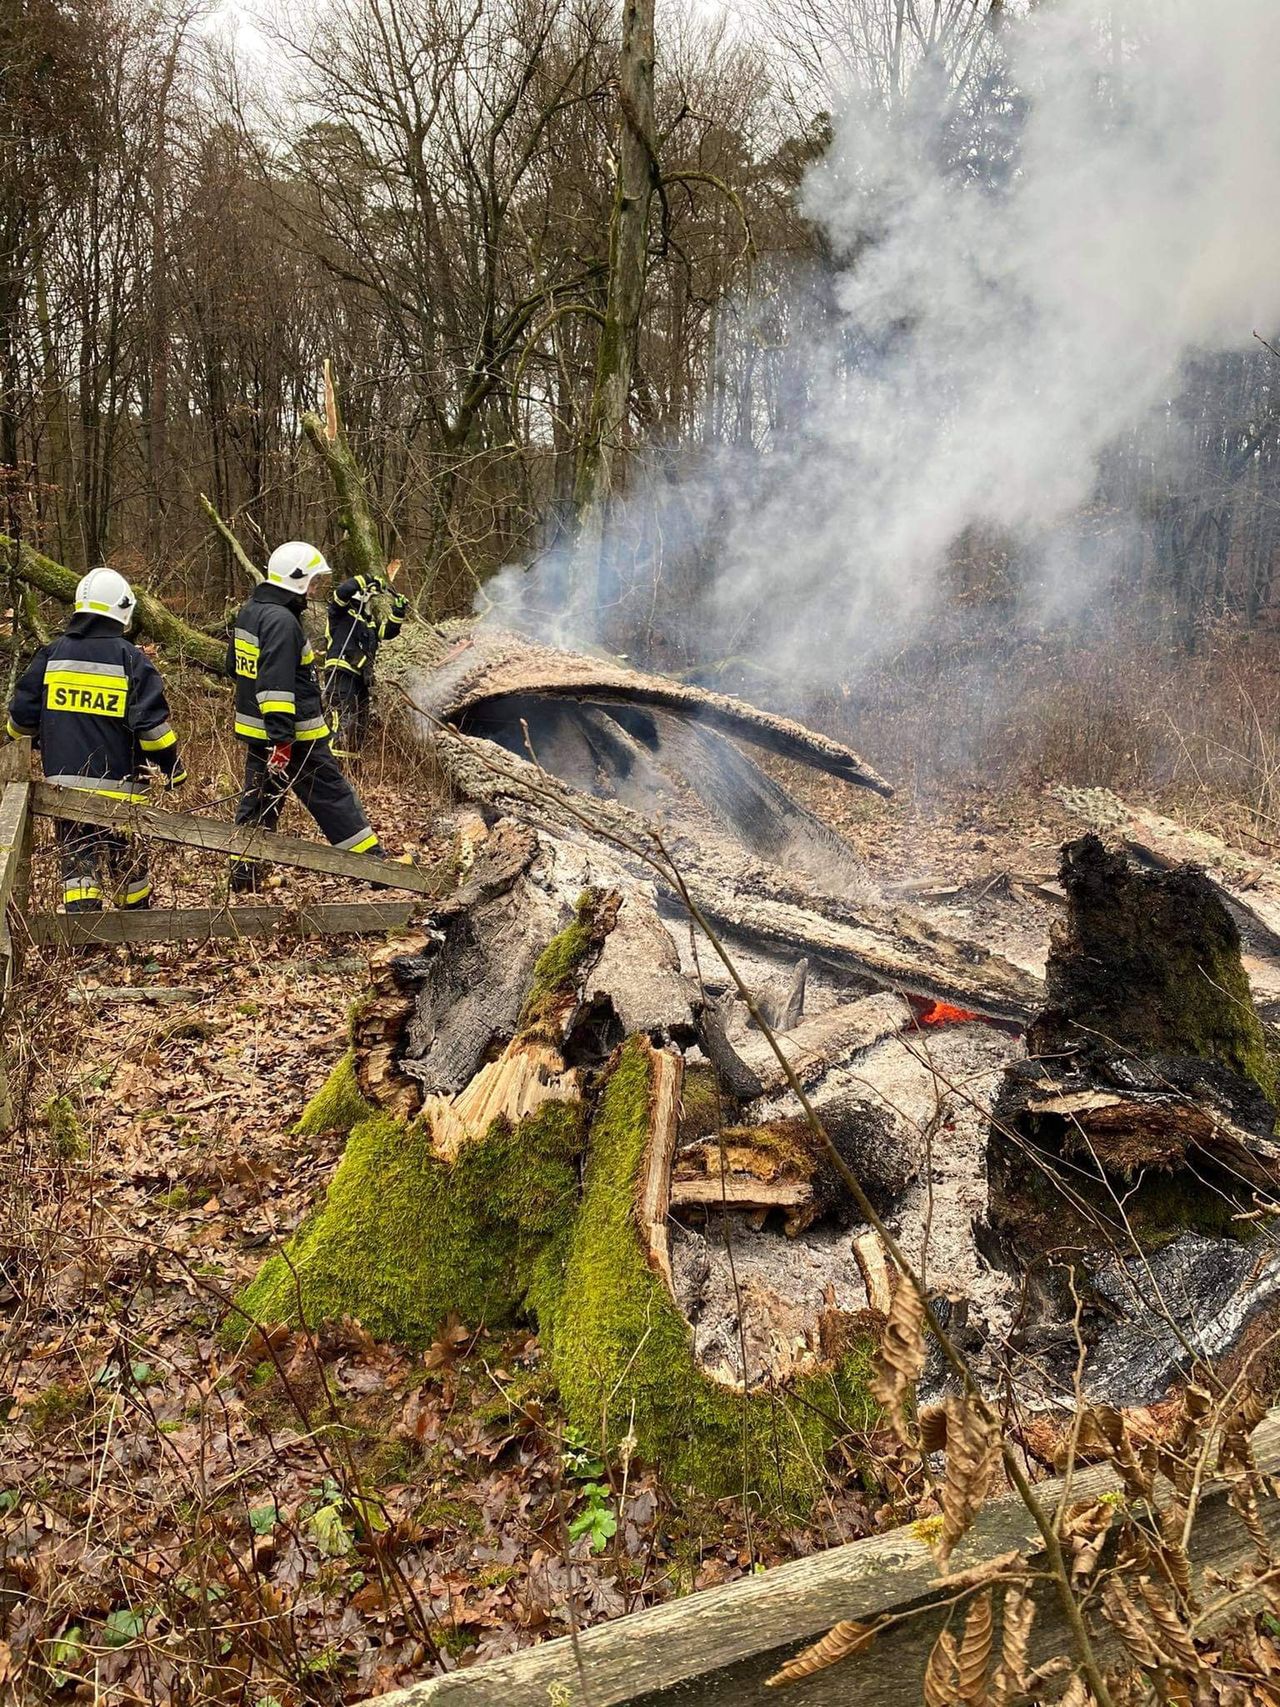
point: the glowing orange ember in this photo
(943, 1013)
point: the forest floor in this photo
(304, 1519)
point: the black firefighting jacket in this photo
(96, 707)
(277, 694)
(357, 627)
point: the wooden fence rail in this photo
(214, 836)
(197, 924)
(716, 1649)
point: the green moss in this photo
(402, 1238)
(556, 967)
(623, 1356)
(338, 1105)
(63, 1126)
(702, 1104)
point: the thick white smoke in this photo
(1018, 330)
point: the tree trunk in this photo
(152, 618)
(628, 246)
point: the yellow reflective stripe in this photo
(308, 654)
(254, 731)
(176, 776)
(365, 843)
(131, 897)
(16, 730)
(311, 734)
(81, 892)
(160, 744)
(265, 705)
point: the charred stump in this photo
(1133, 1164)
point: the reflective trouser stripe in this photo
(77, 891)
(361, 842)
(133, 895)
(158, 740)
(108, 787)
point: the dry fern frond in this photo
(901, 1355)
(1012, 1678)
(941, 1675)
(972, 1452)
(973, 1656)
(840, 1642)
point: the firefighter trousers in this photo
(314, 775)
(95, 861)
(346, 698)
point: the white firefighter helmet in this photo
(105, 592)
(295, 565)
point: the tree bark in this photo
(628, 245)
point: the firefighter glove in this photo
(279, 756)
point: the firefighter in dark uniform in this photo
(95, 706)
(279, 715)
(364, 610)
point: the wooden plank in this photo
(715, 1649)
(740, 1191)
(655, 1172)
(214, 836)
(188, 924)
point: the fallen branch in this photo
(152, 619)
(229, 539)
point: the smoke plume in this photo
(1010, 321)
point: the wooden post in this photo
(15, 861)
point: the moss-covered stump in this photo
(623, 1356)
(523, 1197)
(403, 1238)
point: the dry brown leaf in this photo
(978, 1575)
(1127, 1622)
(1176, 1638)
(933, 1428)
(973, 1657)
(1012, 1677)
(1076, 1694)
(942, 1676)
(972, 1452)
(901, 1355)
(843, 1640)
